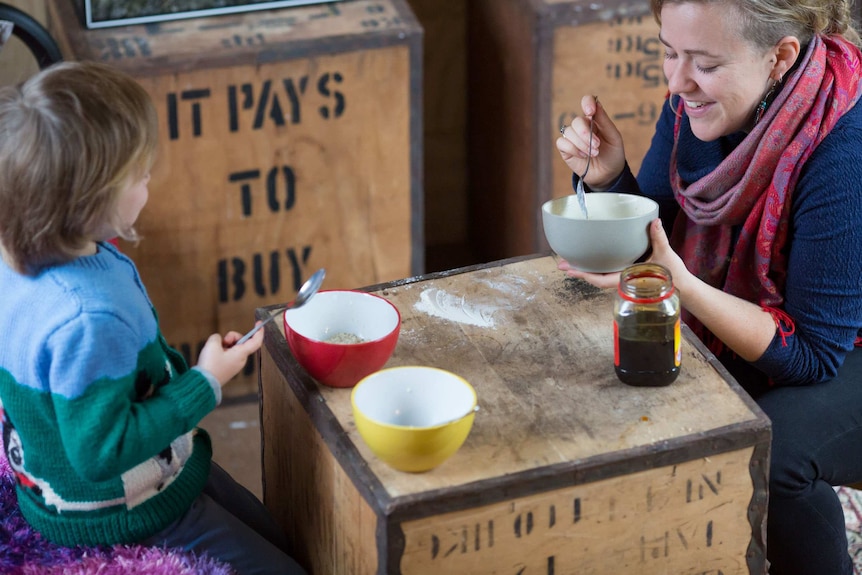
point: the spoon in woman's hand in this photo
(579, 189)
(308, 289)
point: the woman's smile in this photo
(696, 108)
(720, 77)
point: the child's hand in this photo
(223, 359)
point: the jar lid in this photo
(645, 283)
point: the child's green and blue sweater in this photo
(98, 412)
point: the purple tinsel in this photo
(24, 552)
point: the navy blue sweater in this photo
(823, 294)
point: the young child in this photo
(99, 414)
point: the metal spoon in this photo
(308, 289)
(582, 200)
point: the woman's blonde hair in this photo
(71, 139)
(765, 22)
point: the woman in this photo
(756, 166)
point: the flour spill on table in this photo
(457, 308)
(514, 288)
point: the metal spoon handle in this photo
(256, 329)
(305, 293)
(582, 200)
(590, 145)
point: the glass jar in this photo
(646, 326)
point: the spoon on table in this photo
(308, 289)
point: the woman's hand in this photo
(223, 358)
(662, 254)
(599, 280)
(744, 327)
(608, 155)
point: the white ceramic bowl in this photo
(614, 236)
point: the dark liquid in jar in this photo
(647, 363)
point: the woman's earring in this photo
(764, 103)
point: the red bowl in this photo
(340, 336)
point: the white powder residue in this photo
(450, 307)
(514, 287)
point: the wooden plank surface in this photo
(266, 171)
(620, 61)
(504, 102)
(16, 61)
(237, 39)
(444, 97)
(689, 518)
(555, 52)
(537, 348)
(330, 524)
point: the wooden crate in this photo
(290, 141)
(17, 62)
(531, 61)
(104, 13)
(566, 470)
(444, 98)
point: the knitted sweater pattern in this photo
(98, 412)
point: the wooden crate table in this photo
(566, 470)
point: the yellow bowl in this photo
(413, 418)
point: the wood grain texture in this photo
(531, 62)
(444, 91)
(330, 525)
(686, 518)
(538, 349)
(290, 140)
(620, 62)
(554, 426)
(16, 62)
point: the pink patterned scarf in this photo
(753, 186)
